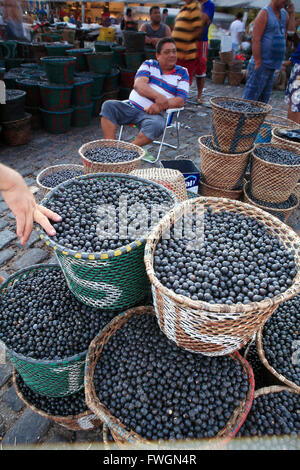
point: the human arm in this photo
(258, 30)
(172, 104)
(141, 86)
(22, 203)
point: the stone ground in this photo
(19, 426)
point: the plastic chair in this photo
(172, 121)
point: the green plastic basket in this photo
(32, 88)
(82, 115)
(82, 92)
(133, 60)
(55, 97)
(111, 280)
(81, 61)
(57, 122)
(100, 62)
(97, 104)
(53, 378)
(98, 81)
(59, 69)
(58, 50)
(112, 80)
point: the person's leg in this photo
(190, 66)
(267, 78)
(256, 83)
(200, 67)
(114, 113)
(141, 140)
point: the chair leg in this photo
(120, 133)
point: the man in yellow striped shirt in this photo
(188, 26)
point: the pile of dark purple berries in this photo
(273, 414)
(52, 180)
(163, 392)
(230, 259)
(241, 106)
(105, 214)
(71, 405)
(40, 317)
(110, 154)
(280, 340)
(273, 154)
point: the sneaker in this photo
(149, 158)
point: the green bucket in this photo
(150, 53)
(124, 93)
(54, 378)
(98, 81)
(59, 69)
(82, 92)
(81, 60)
(118, 56)
(9, 49)
(30, 66)
(112, 81)
(57, 122)
(103, 46)
(82, 115)
(13, 63)
(55, 97)
(133, 60)
(100, 62)
(58, 50)
(111, 280)
(97, 104)
(2, 72)
(32, 88)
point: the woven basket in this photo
(218, 66)
(271, 182)
(297, 190)
(171, 179)
(17, 132)
(222, 170)
(235, 78)
(277, 140)
(261, 353)
(118, 167)
(207, 190)
(214, 329)
(53, 378)
(272, 121)
(50, 170)
(110, 280)
(123, 436)
(282, 214)
(86, 421)
(218, 77)
(226, 57)
(234, 131)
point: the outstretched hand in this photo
(22, 203)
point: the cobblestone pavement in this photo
(19, 426)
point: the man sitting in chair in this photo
(158, 85)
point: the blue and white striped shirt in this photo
(172, 85)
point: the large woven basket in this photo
(86, 421)
(277, 375)
(207, 190)
(53, 378)
(234, 131)
(110, 280)
(271, 182)
(222, 170)
(272, 121)
(214, 329)
(276, 139)
(282, 214)
(51, 170)
(120, 433)
(171, 179)
(118, 167)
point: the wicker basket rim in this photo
(271, 117)
(155, 236)
(26, 118)
(288, 142)
(275, 209)
(262, 356)
(55, 167)
(266, 108)
(57, 418)
(4, 286)
(271, 164)
(273, 389)
(134, 147)
(102, 256)
(235, 191)
(226, 155)
(93, 404)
